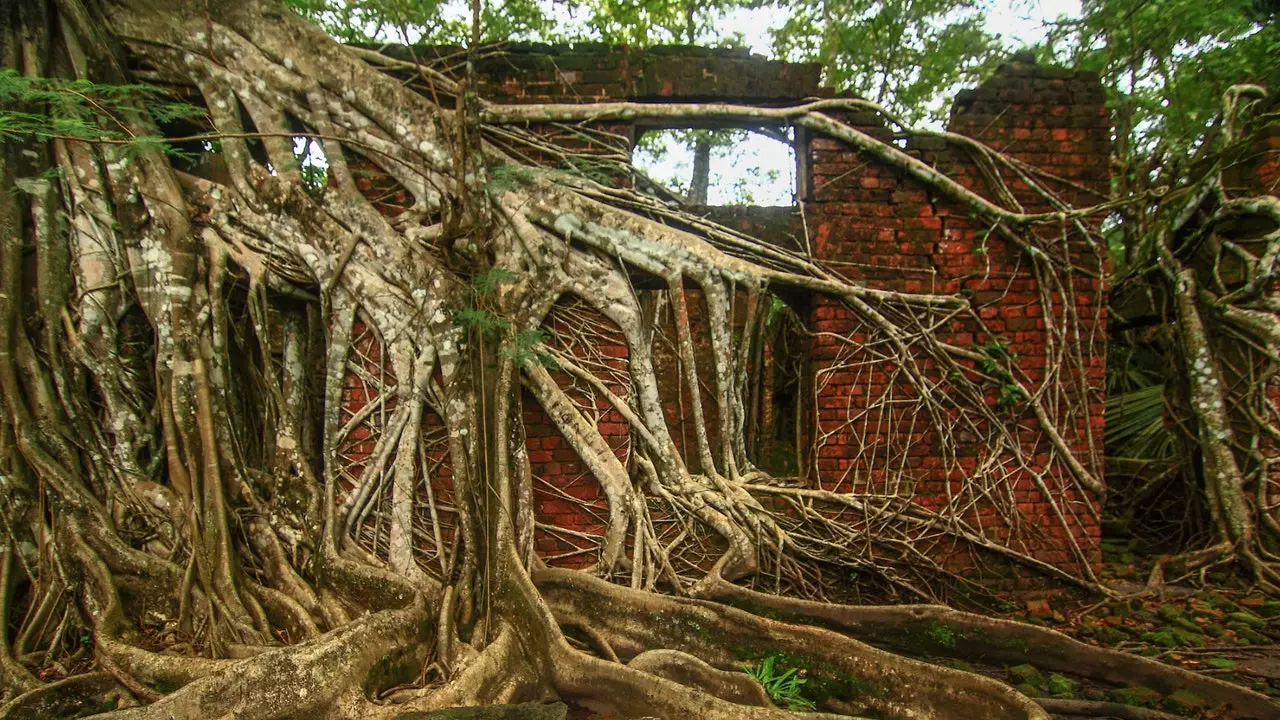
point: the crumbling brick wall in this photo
(876, 226)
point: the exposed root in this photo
(1094, 708)
(904, 629)
(725, 638)
(92, 692)
(688, 670)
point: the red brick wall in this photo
(882, 228)
(566, 495)
(877, 227)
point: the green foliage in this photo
(46, 108)
(482, 321)
(904, 54)
(523, 347)
(527, 347)
(439, 22)
(485, 283)
(1135, 405)
(1165, 65)
(783, 686)
(1010, 396)
(652, 22)
(996, 357)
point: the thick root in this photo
(904, 628)
(77, 696)
(688, 670)
(839, 667)
(316, 678)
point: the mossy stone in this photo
(1163, 638)
(1220, 602)
(1184, 702)
(1029, 690)
(959, 665)
(1170, 613)
(1249, 619)
(1245, 632)
(1188, 639)
(1213, 630)
(1139, 696)
(1218, 663)
(1270, 609)
(1028, 674)
(1108, 635)
(1189, 625)
(1061, 686)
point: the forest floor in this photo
(1219, 628)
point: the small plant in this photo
(1010, 396)
(942, 635)
(783, 686)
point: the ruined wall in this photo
(877, 227)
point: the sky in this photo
(768, 166)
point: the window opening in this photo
(721, 166)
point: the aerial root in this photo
(978, 638)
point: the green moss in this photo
(1137, 696)
(1218, 663)
(1029, 690)
(111, 704)
(1163, 638)
(1184, 702)
(941, 634)
(1011, 642)
(683, 624)
(759, 610)
(1061, 687)
(1249, 619)
(1188, 639)
(1189, 625)
(1108, 635)
(1026, 674)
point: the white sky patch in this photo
(759, 170)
